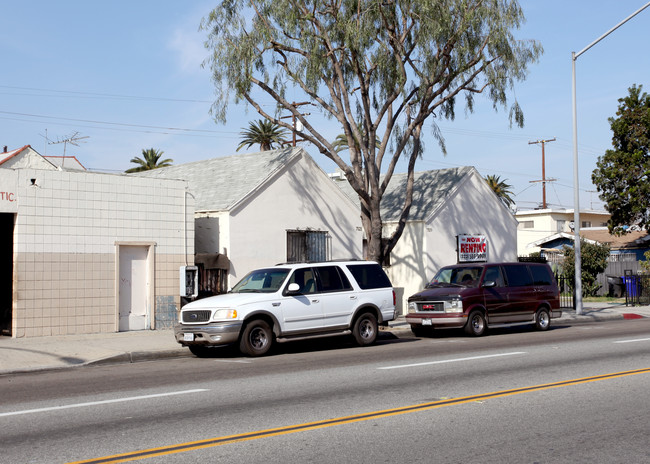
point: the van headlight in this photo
(454, 306)
(412, 307)
(221, 314)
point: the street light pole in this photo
(576, 195)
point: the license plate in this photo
(426, 321)
(188, 337)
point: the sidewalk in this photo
(58, 352)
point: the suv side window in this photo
(541, 275)
(369, 276)
(495, 275)
(518, 275)
(331, 279)
(305, 278)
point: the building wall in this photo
(539, 224)
(68, 228)
(301, 197)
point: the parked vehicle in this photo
(290, 302)
(481, 295)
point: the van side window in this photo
(541, 275)
(518, 275)
(494, 274)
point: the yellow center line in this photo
(218, 441)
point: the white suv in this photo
(290, 302)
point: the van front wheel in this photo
(476, 324)
(542, 319)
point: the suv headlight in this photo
(221, 314)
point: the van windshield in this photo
(457, 277)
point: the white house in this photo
(259, 209)
(447, 203)
(86, 252)
(539, 224)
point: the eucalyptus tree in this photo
(150, 160)
(392, 65)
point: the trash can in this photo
(615, 286)
(631, 283)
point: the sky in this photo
(123, 76)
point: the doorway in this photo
(6, 271)
(134, 287)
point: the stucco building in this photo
(86, 252)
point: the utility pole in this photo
(544, 179)
(297, 126)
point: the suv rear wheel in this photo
(257, 338)
(365, 329)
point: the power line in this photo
(90, 121)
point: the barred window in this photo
(307, 245)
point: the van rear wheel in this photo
(542, 319)
(476, 324)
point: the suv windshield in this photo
(457, 276)
(261, 281)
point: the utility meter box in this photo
(189, 280)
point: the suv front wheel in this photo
(365, 329)
(257, 338)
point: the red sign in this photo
(472, 248)
(7, 196)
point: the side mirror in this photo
(293, 288)
(489, 283)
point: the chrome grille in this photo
(431, 306)
(197, 316)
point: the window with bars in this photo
(307, 245)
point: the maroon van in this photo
(481, 295)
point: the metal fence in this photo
(566, 285)
(637, 289)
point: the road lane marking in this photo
(444, 361)
(96, 403)
(633, 341)
(218, 441)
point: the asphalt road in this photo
(572, 394)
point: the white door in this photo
(133, 288)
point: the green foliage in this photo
(593, 262)
(150, 160)
(501, 189)
(622, 175)
(388, 65)
(645, 264)
(264, 133)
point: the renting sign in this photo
(472, 248)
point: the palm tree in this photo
(150, 160)
(501, 189)
(341, 141)
(263, 132)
